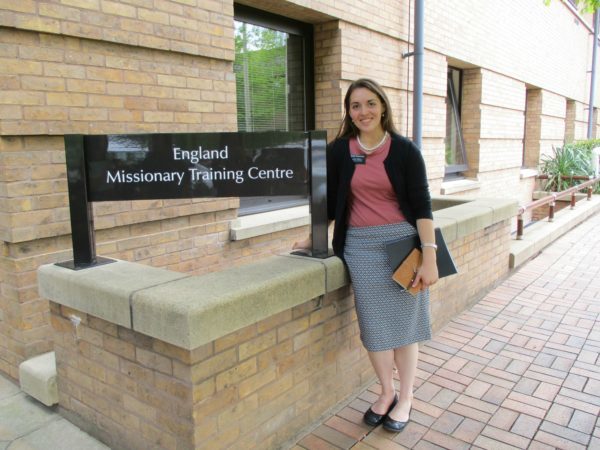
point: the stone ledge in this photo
(102, 291)
(466, 218)
(528, 173)
(461, 185)
(270, 222)
(185, 310)
(189, 311)
(197, 310)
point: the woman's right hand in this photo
(304, 244)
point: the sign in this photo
(187, 165)
(161, 166)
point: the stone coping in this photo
(472, 215)
(253, 225)
(189, 311)
(460, 185)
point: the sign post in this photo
(173, 166)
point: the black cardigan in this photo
(405, 168)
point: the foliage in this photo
(587, 6)
(587, 145)
(570, 160)
(260, 68)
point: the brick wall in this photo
(524, 41)
(98, 66)
(545, 125)
(575, 121)
(553, 122)
(471, 117)
(328, 91)
(196, 27)
(502, 124)
(194, 243)
(258, 387)
(57, 84)
(52, 85)
(481, 261)
(255, 388)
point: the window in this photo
(274, 81)
(456, 160)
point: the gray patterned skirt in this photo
(388, 317)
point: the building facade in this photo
(496, 98)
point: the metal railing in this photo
(551, 199)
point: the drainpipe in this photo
(593, 77)
(419, 50)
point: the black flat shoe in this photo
(395, 426)
(373, 419)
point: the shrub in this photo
(574, 159)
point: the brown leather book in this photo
(399, 249)
(405, 274)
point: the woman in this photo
(378, 192)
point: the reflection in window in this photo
(456, 160)
(269, 73)
(274, 81)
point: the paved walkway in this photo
(521, 369)
(26, 424)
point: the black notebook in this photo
(398, 250)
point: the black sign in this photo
(164, 166)
(161, 166)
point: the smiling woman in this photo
(377, 192)
(366, 111)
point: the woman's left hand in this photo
(427, 274)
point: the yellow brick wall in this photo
(389, 17)
(481, 261)
(197, 27)
(257, 387)
(55, 85)
(542, 46)
(98, 66)
(328, 90)
(471, 117)
(502, 125)
(533, 119)
(572, 124)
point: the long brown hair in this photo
(347, 128)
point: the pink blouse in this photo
(372, 199)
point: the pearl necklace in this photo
(371, 149)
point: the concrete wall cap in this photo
(196, 310)
(103, 291)
(189, 311)
(473, 215)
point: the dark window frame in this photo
(455, 99)
(265, 19)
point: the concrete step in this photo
(37, 377)
(540, 234)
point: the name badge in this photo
(358, 159)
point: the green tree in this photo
(584, 5)
(260, 67)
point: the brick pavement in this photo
(520, 369)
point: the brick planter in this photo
(249, 357)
